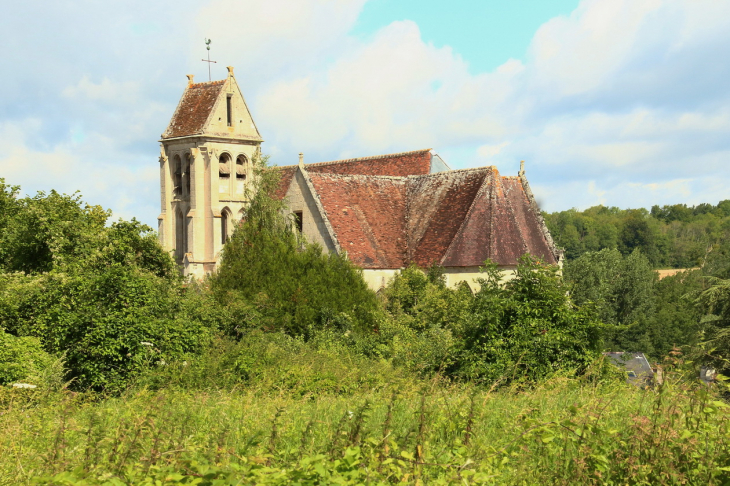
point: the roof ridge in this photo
(205, 84)
(451, 171)
(366, 176)
(360, 159)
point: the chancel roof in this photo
(455, 218)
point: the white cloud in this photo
(124, 187)
(622, 102)
(106, 91)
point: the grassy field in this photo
(562, 432)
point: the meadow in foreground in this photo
(565, 431)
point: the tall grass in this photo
(564, 431)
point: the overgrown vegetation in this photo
(284, 367)
(564, 431)
(672, 236)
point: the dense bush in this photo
(525, 327)
(287, 283)
(22, 359)
(92, 292)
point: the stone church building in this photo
(384, 211)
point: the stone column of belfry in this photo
(163, 220)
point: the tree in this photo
(286, 283)
(527, 326)
(715, 304)
(92, 292)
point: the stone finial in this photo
(301, 160)
(190, 78)
(230, 71)
(522, 168)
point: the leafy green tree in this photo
(620, 287)
(714, 302)
(92, 292)
(287, 283)
(49, 230)
(526, 327)
(676, 320)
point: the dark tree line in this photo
(673, 236)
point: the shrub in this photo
(22, 359)
(290, 285)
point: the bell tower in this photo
(206, 157)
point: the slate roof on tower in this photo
(204, 107)
(456, 218)
(194, 109)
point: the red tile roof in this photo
(287, 173)
(457, 218)
(368, 215)
(402, 164)
(194, 108)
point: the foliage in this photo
(642, 313)
(289, 284)
(22, 359)
(277, 363)
(675, 236)
(527, 327)
(560, 432)
(92, 292)
(715, 303)
(49, 230)
(526, 322)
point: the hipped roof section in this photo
(457, 218)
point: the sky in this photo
(616, 102)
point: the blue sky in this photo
(484, 32)
(620, 102)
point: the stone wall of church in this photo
(301, 200)
(380, 278)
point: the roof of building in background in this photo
(637, 367)
(194, 109)
(456, 218)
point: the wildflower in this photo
(350, 414)
(23, 385)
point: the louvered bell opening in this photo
(224, 170)
(240, 171)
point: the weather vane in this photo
(207, 46)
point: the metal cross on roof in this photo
(207, 46)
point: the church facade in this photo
(385, 212)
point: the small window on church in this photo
(299, 221)
(225, 220)
(224, 166)
(229, 110)
(177, 176)
(241, 167)
(186, 175)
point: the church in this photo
(384, 212)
